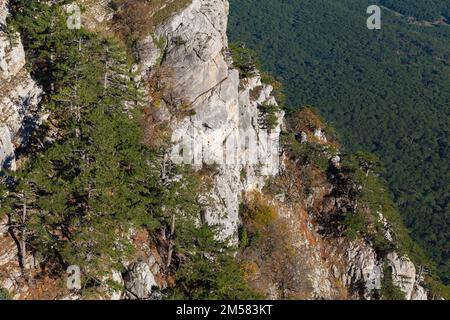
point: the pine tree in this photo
(78, 200)
(88, 189)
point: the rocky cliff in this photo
(198, 75)
(216, 122)
(19, 93)
(19, 101)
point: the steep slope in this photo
(284, 208)
(196, 74)
(20, 97)
(308, 250)
(199, 78)
(385, 91)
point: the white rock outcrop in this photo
(224, 127)
(140, 279)
(19, 94)
(190, 49)
(19, 98)
(367, 270)
(364, 269)
(405, 277)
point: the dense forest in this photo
(429, 10)
(385, 91)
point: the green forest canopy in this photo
(385, 91)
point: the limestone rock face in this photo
(19, 94)
(363, 268)
(223, 128)
(19, 98)
(366, 269)
(419, 293)
(141, 278)
(405, 277)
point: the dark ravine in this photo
(308, 256)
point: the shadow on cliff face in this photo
(7, 163)
(34, 137)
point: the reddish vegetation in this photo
(303, 227)
(155, 132)
(37, 284)
(307, 120)
(296, 243)
(132, 18)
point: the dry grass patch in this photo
(135, 19)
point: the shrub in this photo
(355, 225)
(437, 289)
(269, 116)
(4, 294)
(309, 153)
(243, 238)
(250, 269)
(244, 59)
(307, 120)
(135, 19)
(257, 212)
(278, 89)
(367, 162)
(243, 174)
(132, 18)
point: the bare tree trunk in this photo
(164, 164)
(11, 232)
(170, 252)
(23, 245)
(172, 227)
(105, 78)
